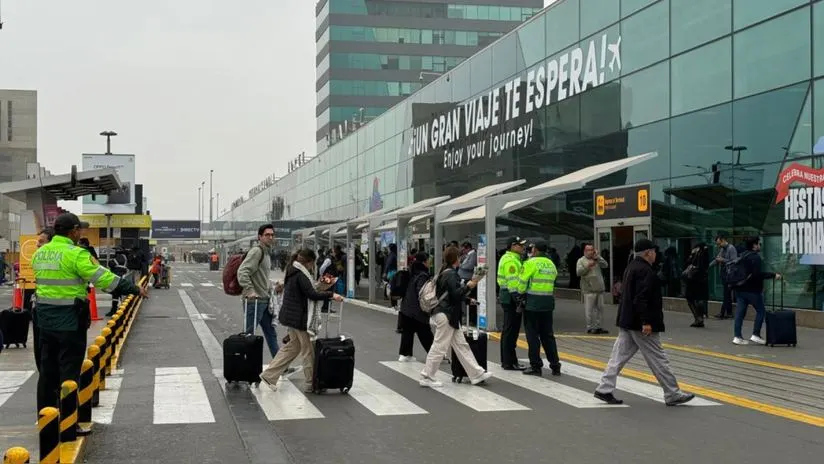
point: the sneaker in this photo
(431, 383)
(684, 398)
(271, 386)
(740, 341)
(406, 359)
(608, 398)
(482, 378)
(758, 340)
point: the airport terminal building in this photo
(729, 93)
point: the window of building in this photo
(601, 110)
(772, 54)
(696, 85)
(803, 141)
(652, 137)
(818, 39)
(532, 41)
(562, 25)
(645, 38)
(695, 22)
(697, 142)
(818, 117)
(505, 59)
(629, 7)
(747, 12)
(481, 65)
(764, 124)
(596, 15)
(9, 120)
(642, 95)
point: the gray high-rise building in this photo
(18, 133)
(371, 54)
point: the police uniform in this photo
(62, 271)
(507, 278)
(536, 284)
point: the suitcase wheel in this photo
(345, 390)
(256, 384)
(457, 379)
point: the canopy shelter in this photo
(497, 205)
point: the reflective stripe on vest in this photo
(539, 276)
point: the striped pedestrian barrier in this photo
(61, 432)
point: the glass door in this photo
(640, 232)
(603, 245)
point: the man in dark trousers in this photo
(509, 269)
(640, 321)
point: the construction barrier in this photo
(16, 455)
(48, 424)
(93, 303)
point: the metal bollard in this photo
(109, 345)
(48, 425)
(68, 411)
(100, 343)
(84, 396)
(93, 355)
(16, 455)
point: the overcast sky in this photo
(189, 85)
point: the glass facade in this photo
(373, 88)
(414, 9)
(376, 61)
(730, 97)
(411, 36)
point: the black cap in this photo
(516, 241)
(644, 245)
(542, 246)
(67, 222)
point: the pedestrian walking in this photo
(640, 321)
(253, 277)
(414, 320)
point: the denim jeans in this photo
(743, 300)
(264, 318)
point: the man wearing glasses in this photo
(253, 277)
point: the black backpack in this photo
(737, 271)
(399, 283)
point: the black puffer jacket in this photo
(452, 305)
(297, 290)
(411, 303)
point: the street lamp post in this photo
(211, 196)
(202, 204)
(736, 149)
(199, 196)
(109, 135)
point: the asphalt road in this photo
(172, 405)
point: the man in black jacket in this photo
(640, 320)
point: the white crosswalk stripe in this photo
(10, 382)
(186, 284)
(379, 399)
(180, 397)
(207, 284)
(104, 413)
(477, 398)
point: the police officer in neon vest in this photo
(509, 268)
(62, 271)
(536, 291)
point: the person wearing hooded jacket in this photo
(413, 319)
(299, 313)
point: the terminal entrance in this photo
(622, 217)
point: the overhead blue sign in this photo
(175, 229)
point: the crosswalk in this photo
(179, 394)
(201, 284)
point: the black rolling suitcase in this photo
(477, 340)
(781, 328)
(334, 360)
(14, 323)
(243, 354)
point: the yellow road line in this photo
(779, 411)
(713, 354)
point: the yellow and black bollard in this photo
(16, 455)
(68, 411)
(84, 396)
(108, 332)
(93, 355)
(48, 424)
(100, 343)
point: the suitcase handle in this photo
(772, 308)
(339, 317)
(243, 302)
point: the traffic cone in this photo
(17, 296)
(93, 304)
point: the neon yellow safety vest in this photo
(507, 277)
(61, 272)
(537, 282)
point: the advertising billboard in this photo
(120, 201)
(175, 229)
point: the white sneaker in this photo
(482, 378)
(271, 386)
(431, 383)
(406, 359)
(758, 340)
(740, 341)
